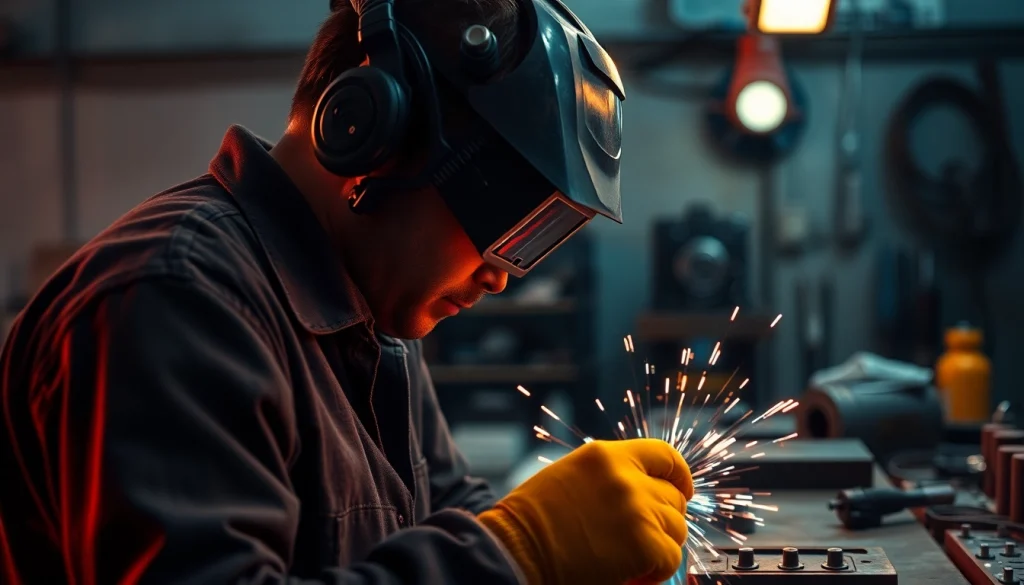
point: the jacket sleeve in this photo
(172, 431)
(451, 485)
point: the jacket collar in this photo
(319, 291)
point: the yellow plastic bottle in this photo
(962, 376)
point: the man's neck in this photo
(321, 190)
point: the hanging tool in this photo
(850, 219)
(808, 315)
(814, 314)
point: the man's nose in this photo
(492, 280)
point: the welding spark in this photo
(717, 458)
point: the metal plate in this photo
(866, 566)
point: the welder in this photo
(226, 385)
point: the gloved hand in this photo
(609, 512)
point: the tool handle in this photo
(930, 495)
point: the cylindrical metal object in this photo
(1004, 495)
(983, 552)
(1008, 576)
(745, 560)
(1010, 549)
(999, 438)
(790, 558)
(834, 560)
(887, 416)
(989, 477)
(965, 531)
(1017, 489)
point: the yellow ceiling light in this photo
(797, 17)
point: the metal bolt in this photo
(477, 37)
(1010, 549)
(1008, 576)
(965, 531)
(790, 559)
(983, 552)
(745, 560)
(834, 560)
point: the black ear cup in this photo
(359, 122)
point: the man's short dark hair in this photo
(336, 47)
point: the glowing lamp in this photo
(757, 113)
(759, 97)
(791, 17)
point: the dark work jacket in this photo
(198, 396)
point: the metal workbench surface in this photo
(803, 520)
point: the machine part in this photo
(790, 559)
(745, 560)
(801, 464)
(967, 217)
(998, 439)
(987, 557)
(1004, 478)
(988, 482)
(700, 261)
(835, 560)
(789, 565)
(1017, 489)
(939, 519)
(703, 265)
(888, 416)
(479, 52)
(862, 508)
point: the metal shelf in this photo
(910, 45)
(658, 326)
(148, 68)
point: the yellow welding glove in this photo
(610, 512)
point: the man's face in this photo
(415, 265)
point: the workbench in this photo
(803, 520)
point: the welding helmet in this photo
(543, 159)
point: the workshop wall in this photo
(143, 128)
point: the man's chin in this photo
(412, 330)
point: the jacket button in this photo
(401, 520)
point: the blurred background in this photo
(865, 187)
